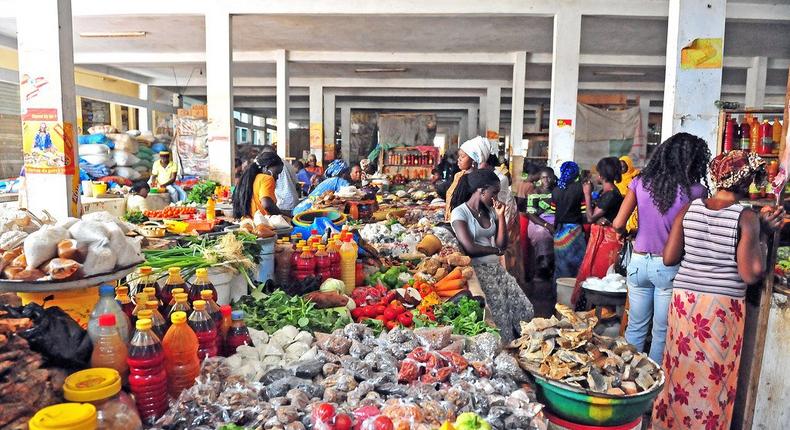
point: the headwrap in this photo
(733, 168)
(569, 172)
(478, 149)
(267, 159)
(627, 176)
(336, 168)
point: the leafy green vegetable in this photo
(232, 427)
(201, 192)
(467, 317)
(135, 217)
(277, 310)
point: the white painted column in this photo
(48, 99)
(145, 118)
(329, 127)
(517, 103)
(756, 75)
(644, 111)
(690, 93)
(345, 131)
(219, 95)
(493, 102)
(471, 123)
(282, 103)
(317, 121)
(564, 86)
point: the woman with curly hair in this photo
(673, 177)
(721, 249)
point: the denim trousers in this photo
(177, 194)
(649, 295)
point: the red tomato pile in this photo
(171, 212)
(325, 417)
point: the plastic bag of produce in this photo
(62, 269)
(88, 231)
(123, 142)
(55, 335)
(97, 149)
(128, 173)
(99, 258)
(97, 159)
(11, 239)
(124, 158)
(67, 223)
(42, 245)
(126, 250)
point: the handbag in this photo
(624, 258)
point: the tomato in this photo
(382, 319)
(406, 319)
(323, 412)
(383, 423)
(390, 314)
(343, 422)
(389, 325)
(379, 309)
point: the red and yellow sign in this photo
(47, 144)
(702, 54)
(564, 123)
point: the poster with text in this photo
(44, 143)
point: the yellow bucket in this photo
(77, 303)
(98, 188)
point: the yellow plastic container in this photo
(91, 385)
(98, 188)
(65, 416)
(78, 303)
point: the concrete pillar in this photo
(471, 123)
(689, 90)
(219, 95)
(644, 111)
(755, 82)
(493, 101)
(115, 116)
(282, 103)
(481, 119)
(48, 100)
(564, 86)
(329, 127)
(317, 121)
(463, 128)
(517, 103)
(145, 121)
(345, 131)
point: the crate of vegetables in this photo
(172, 212)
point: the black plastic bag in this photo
(55, 335)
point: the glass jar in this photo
(101, 387)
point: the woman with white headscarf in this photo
(472, 154)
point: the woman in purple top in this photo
(672, 178)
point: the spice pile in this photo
(568, 351)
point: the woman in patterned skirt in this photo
(721, 248)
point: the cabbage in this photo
(331, 285)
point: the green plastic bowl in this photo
(585, 407)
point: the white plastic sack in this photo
(133, 133)
(124, 158)
(94, 149)
(87, 231)
(42, 245)
(67, 223)
(104, 216)
(99, 259)
(101, 129)
(128, 173)
(126, 251)
(97, 159)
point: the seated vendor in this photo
(255, 191)
(338, 175)
(163, 174)
(304, 176)
(137, 194)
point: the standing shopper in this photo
(721, 250)
(255, 191)
(569, 241)
(513, 260)
(670, 180)
(540, 230)
(480, 225)
(627, 174)
(603, 245)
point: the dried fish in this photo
(644, 380)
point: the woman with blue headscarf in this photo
(569, 241)
(338, 175)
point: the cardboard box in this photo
(183, 112)
(200, 111)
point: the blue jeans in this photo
(649, 295)
(177, 194)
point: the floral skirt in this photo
(701, 361)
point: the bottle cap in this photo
(145, 313)
(146, 270)
(237, 315)
(152, 304)
(141, 297)
(175, 291)
(106, 290)
(143, 324)
(201, 272)
(174, 271)
(178, 317)
(181, 297)
(199, 305)
(150, 291)
(122, 291)
(206, 294)
(313, 231)
(90, 385)
(226, 310)
(107, 320)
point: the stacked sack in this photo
(124, 155)
(95, 152)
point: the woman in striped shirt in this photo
(721, 248)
